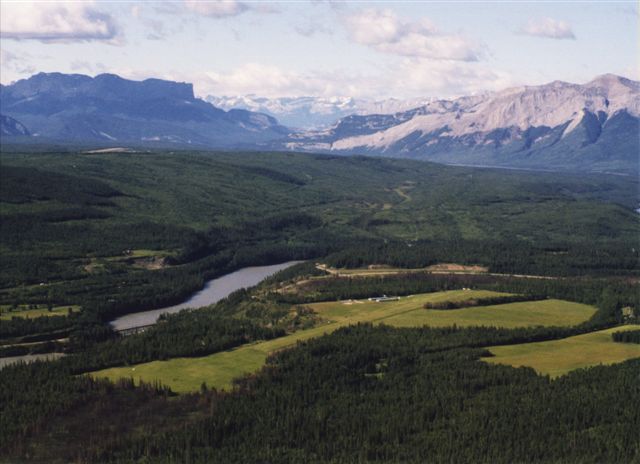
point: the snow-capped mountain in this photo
(595, 124)
(314, 112)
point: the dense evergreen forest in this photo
(118, 233)
(631, 336)
(363, 394)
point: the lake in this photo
(213, 291)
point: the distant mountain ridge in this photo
(108, 108)
(593, 126)
(314, 112)
(557, 126)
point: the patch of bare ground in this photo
(377, 266)
(109, 150)
(152, 263)
(89, 268)
(452, 267)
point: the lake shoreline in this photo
(213, 291)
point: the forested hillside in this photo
(84, 219)
(87, 237)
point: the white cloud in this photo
(55, 21)
(7, 58)
(632, 72)
(265, 80)
(386, 32)
(13, 67)
(549, 28)
(88, 67)
(447, 79)
(268, 81)
(216, 8)
(413, 77)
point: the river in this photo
(213, 291)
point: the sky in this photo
(372, 50)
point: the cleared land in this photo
(6, 314)
(409, 312)
(377, 270)
(218, 370)
(557, 357)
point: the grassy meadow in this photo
(219, 369)
(409, 311)
(557, 357)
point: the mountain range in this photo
(314, 112)
(558, 126)
(108, 109)
(594, 126)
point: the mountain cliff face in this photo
(110, 109)
(593, 126)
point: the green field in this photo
(557, 357)
(409, 312)
(219, 369)
(6, 314)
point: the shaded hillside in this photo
(109, 110)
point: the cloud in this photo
(256, 78)
(266, 80)
(448, 79)
(412, 77)
(631, 72)
(153, 19)
(386, 32)
(13, 66)
(86, 66)
(158, 29)
(216, 8)
(7, 58)
(55, 21)
(311, 28)
(549, 28)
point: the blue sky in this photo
(324, 48)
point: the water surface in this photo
(213, 291)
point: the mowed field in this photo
(409, 311)
(219, 369)
(557, 357)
